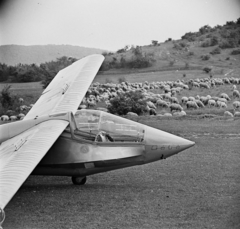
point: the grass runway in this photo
(198, 188)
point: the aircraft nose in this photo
(162, 144)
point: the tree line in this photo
(33, 73)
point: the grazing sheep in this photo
(21, 100)
(204, 85)
(237, 114)
(199, 103)
(228, 114)
(184, 100)
(222, 100)
(192, 104)
(24, 108)
(132, 114)
(195, 84)
(236, 94)
(175, 107)
(191, 98)
(4, 118)
(204, 100)
(151, 105)
(211, 103)
(236, 104)
(174, 100)
(167, 114)
(13, 118)
(179, 113)
(225, 96)
(221, 104)
(152, 111)
(162, 103)
(82, 107)
(20, 116)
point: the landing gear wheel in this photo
(79, 180)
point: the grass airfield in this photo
(198, 188)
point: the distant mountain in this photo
(37, 54)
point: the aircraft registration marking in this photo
(164, 147)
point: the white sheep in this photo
(236, 104)
(4, 118)
(236, 94)
(225, 96)
(13, 118)
(237, 114)
(192, 104)
(228, 114)
(211, 103)
(175, 107)
(132, 114)
(179, 113)
(20, 116)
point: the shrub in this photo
(207, 69)
(128, 102)
(228, 44)
(235, 52)
(187, 65)
(154, 42)
(180, 45)
(190, 36)
(216, 51)
(8, 101)
(205, 57)
(171, 63)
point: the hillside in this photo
(218, 47)
(15, 54)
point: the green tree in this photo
(132, 101)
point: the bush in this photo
(228, 44)
(154, 43)
(190, 36)
(207, 69)
(187, 65)
(216, 51)
(171, 63)
(205, 57)
(8, 101)
(132, 101)
(180, 45)
(235, 52)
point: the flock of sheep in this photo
(165, 96)
(169, 95)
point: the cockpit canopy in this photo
(94, 123)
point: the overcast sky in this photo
(108, 24)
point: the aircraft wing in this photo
(21, 154)
(68, 88)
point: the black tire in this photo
(79, 180)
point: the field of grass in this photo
(30, 92)
(198, 188)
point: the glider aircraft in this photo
(55, 138)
